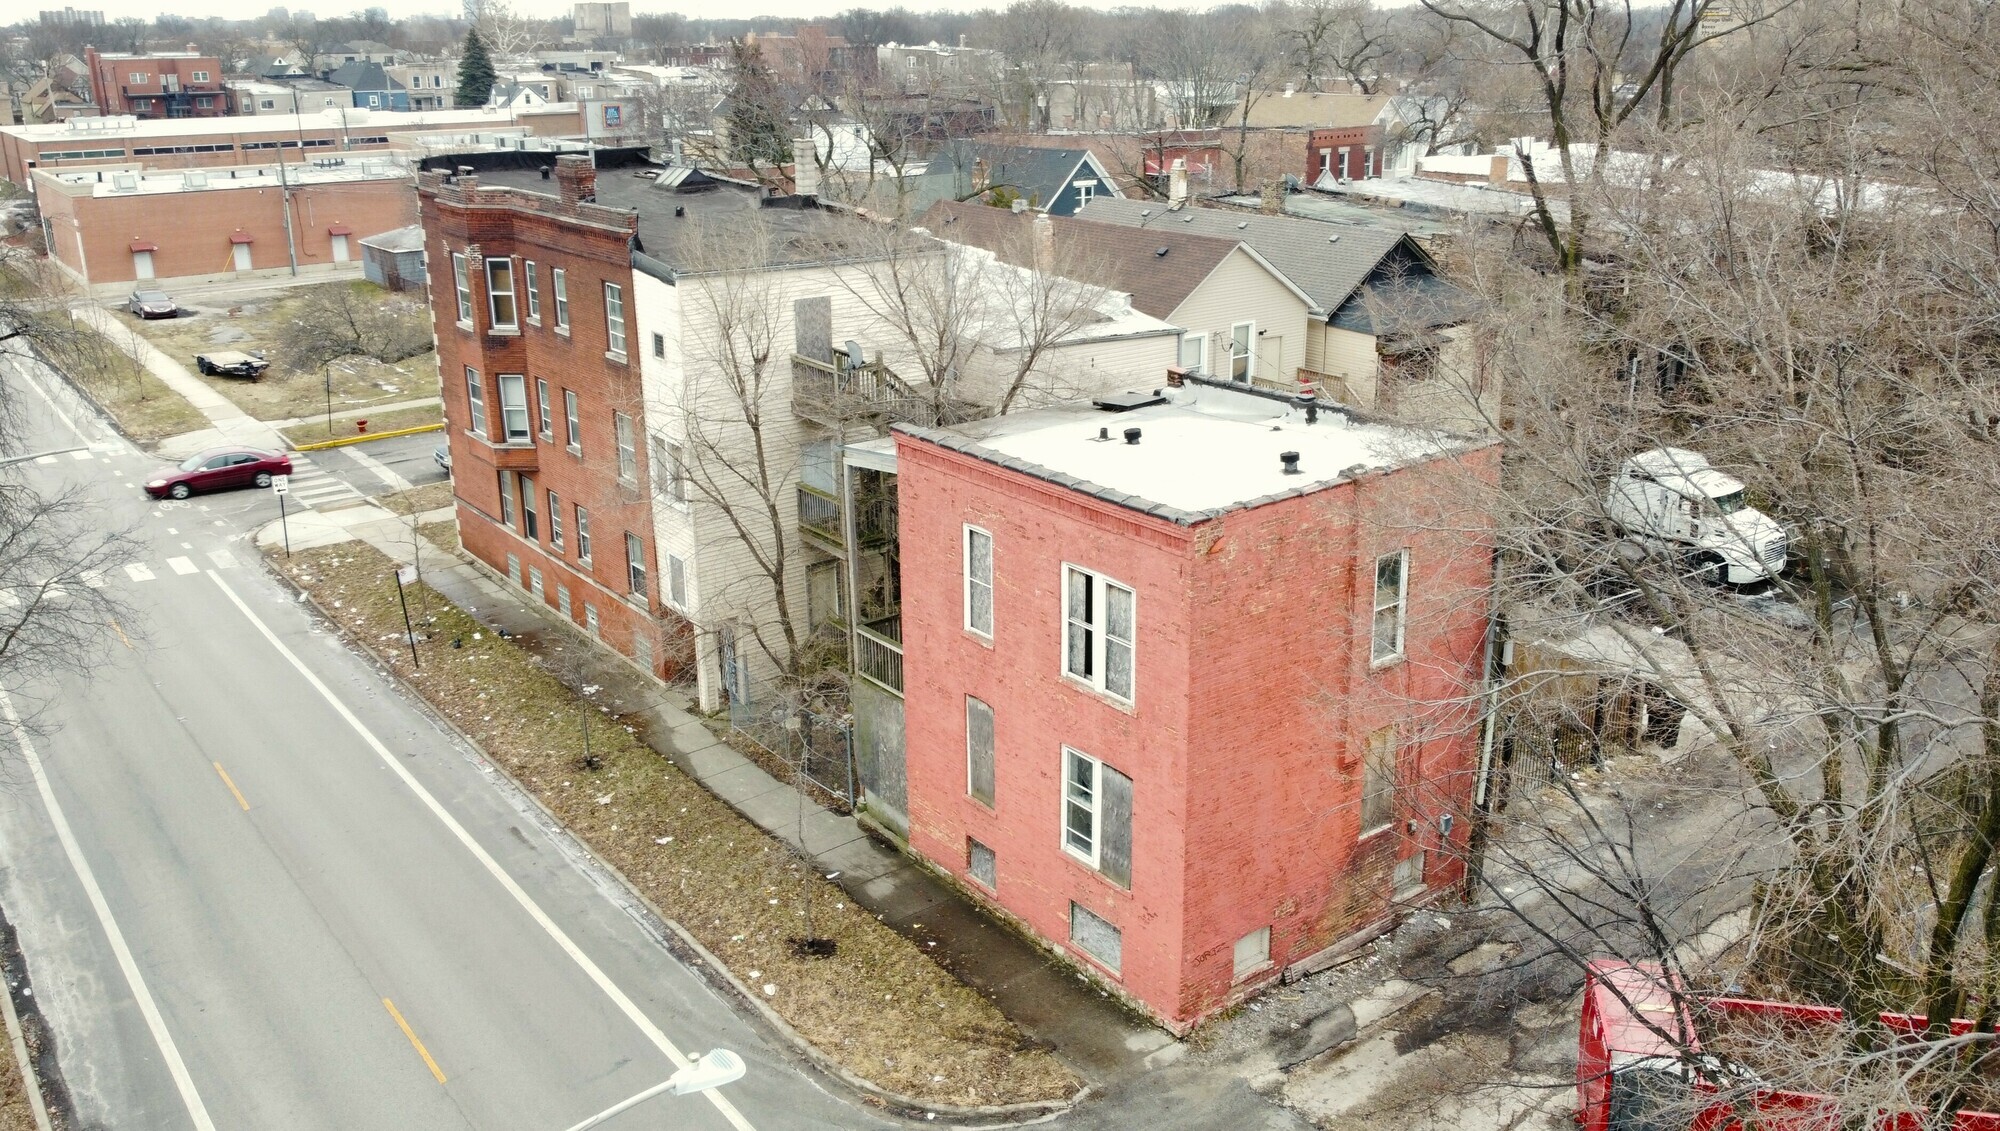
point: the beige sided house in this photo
(1387, 332)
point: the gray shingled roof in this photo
(1327, 261)
(1039, 174)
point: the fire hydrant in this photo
(361, 425)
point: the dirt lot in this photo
(877, 1005)
(282, 394)
(141, 403)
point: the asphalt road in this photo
(257, 888)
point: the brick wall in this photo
(591, 246)
(1255, 696)
(1364, 152)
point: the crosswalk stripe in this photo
(139, 571)
(223, 559)
(85, 454)
(183, 566)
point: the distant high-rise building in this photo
(611, 20)
(71, 17)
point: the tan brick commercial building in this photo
(113, 228)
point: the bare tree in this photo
(339, 320)
(1348, 38)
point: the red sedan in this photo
(219, 469)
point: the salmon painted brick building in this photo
(1192, 684)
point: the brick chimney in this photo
(981, 175)
(576, 179)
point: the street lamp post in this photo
(711, 1070)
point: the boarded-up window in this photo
(1095, 936)
(979, 750)
(812, 328)
(1378, 780)
(1253, 953)
(1114, 856)
(982, 864)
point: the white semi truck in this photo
(1672, 501)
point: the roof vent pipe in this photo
(1131, 435)
(545, 172)
(1291, 462)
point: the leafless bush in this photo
(352, 320)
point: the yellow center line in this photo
(122, 636)
(240, 800)
(417, 1044)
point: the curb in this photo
(1021, 1114)
(344, 441)
(29, 1080)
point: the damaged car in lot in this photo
(231, 363)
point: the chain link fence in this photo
(816, 743)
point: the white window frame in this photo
(507, 499)
(624, 433)
(461, 277)
(614, 320)
(555, 522)
(992, 755)
(676, 471)
(530, 281)
(1252, 953)
(1084, 799)
(1200, 344)
(475, 399)
(1397, 606)
(635, 566)
(496, 293)
(582, 535)
(137, 77)
(677, 593)
(1249, 354)
(513, 405)
(559, 282)
(1100, 640)
(572, 423)
(545, 417)
(198, 76)
(976, 585)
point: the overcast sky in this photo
(790, 9)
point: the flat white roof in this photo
(1204, 450)
(154, 183)
(353, 120)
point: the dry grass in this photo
(879, 1006)
(442, 534)
(16, 1113)
(141, 403)
(313, 431)
(281, 394)
(417, 500)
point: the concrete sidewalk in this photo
(1096, 1036)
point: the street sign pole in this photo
(281, 485)
(404, 573)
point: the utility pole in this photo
(285, 184)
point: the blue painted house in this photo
(1055, 181)
(372, 87)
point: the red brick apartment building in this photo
(1191, 716)
(531, 294)
(180, 85)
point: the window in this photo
(507, 499)
(659, 345)
(1100, 627)
(1242, 351)
(614, 318)
(475, 398)
(266, 104)
(672, 465)
(374, 102)
(677, 581)
(981, 864)
(978, 750)
(1253, 953)
(535, 580)
(572, 424)
(461, 278)
(635, 565)
(1378, 781)
(590, 619)
(1194, 353)
(583, 536)
(138, 77)
(562, 599)
(979, 581)
(1094, 935)
(1080, 805)
(628, 455)
(500, 294)
(1389, 577)
(560, 282)
(529, 283)
(555, 522)
(642, 653)
(514, 569)
(514, 407)
(204, 103)
(1083, 190)
(545, 422)
(530, 523)
(199, 76)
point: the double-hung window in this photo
(1097, 816)
(628, 453)
(677, 581)
(614, 318)
(555, 522)
(1378, 781)
(559, 282)
(530, 525)
(514, 407)
(635, 565)
(1099, 627)
(979, 581)
(530, 284)
(461, 279)
(500, 294)
(582, 536)
(572, 423)
(475, 398)
(1243, 351)
(544, 416)
(674, 467)
(1391, 574)
(507, 499)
